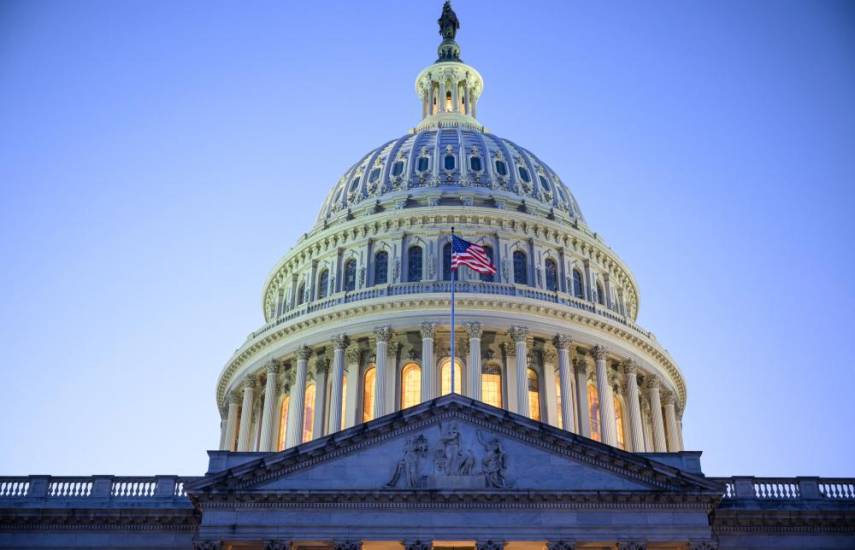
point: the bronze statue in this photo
(448, 22)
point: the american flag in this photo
(471, 254)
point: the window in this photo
(578, 286)
(520, 268)
(594, 412)
(350, 274)
(398, 168)
(309, 412)
(414, 264)
(601, 296)
(411, 385)
(381, 267)
(559, 411)
(543, 183)
(475, 164)
(488, 277)
(524, 175)
(446, 262)
(301, 293)
(283, 423)
(491, 386)
(354, 183)
(368, 379)
(501, 168)
(445, 377)
(533, 395)
(374, 175)
(551, 275)
(449, 162)
(423, 164)
(619, 432)
(448, 106)
(323, 284)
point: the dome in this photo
(457, 165)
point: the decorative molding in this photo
(383, 333)
(563, 341)
(428, 329)
(340, 341)
(518, 333)
(473, 329)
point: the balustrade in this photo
(114, 488)
(795, 489)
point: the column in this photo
(551, 415)
(604, 391)
(441, 102)
(354, 383)
(244, 437)
(671, 422)
(489, 545)
(562, 342)
(322, 365)
(632, 545)
(582, 396)
(455, 90)
(635, 428)
(519, 335)
(659, 445)
(429, 375)
(336, 391)
(466, 96)
(607, 288)
(382, 335)
(294, 433)
(231, 423)
(589, 281)
(268, 415)
(473, 384)
(561, 545)
(509, 376)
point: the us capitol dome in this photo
(357, 313)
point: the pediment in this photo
(452, 444)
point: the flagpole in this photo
(453, 276)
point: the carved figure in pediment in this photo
(409, 467)
(451, 459)
(494, 463)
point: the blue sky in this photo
(157, 158)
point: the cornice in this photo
(93, 519)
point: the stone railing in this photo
(791, 488)
(444, 287)
(109, 489)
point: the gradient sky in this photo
(158, 158)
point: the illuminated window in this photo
(578, 285)
(594, 412)
(414, 264)
(283, 423)
(381, 267)
(520, 268)
(533, 395)
(368, 393)
(551, 275)
(445, 376)
(323, 284)
(309, 412)
(411, 385)
(448, 104)
(621, 439)
(350, 275)
(558, 402)
(491, 386)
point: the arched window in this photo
(551, 275)
(601, 295)
(446, 262)
(619, 431)
(368, 379)
(501, 168)
(309, 412)
(594, 412)
(491, 385)
(301, 293)
(398, 168)
(475, 164)
(350, 274)
(559, 411)
(578, 285)
(323, 284)
(448, 104)
(414, 264)
(423, 164)
(381, 267)
(411, 385)
(283, 423)
(445, 377)
(533, 395)
(524, 175)
(520, 268)
(449, 161)
(488, 277)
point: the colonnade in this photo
(552, 379)
(349, 544)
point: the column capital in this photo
(428, 329)
(702, 545)
(351, 354)
(473, 328)
(383, 333)
(234, 398)
(519, 334)
(652, 383)
(581, 365)
(249, 383)
(550, 355)
(303, 352)
(560, 545)
(417, 545)
(207, 545)
(632, 545)
(340, 341)
(630, 368)
(667, 398)
(508, 349)
(321, 363)
(489, 545)
(563, 341)
(272, 368)
(347, 545)
(599, 352)
(277, 545)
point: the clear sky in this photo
(158, 158)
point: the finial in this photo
(448, 25)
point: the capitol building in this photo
(350, 420)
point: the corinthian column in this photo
(354, 383)
(382, 334)
(429, 375)
(294, 433)
(607, 404)
(231, 423)
(671, 422)
(582, 396)
(244, 437)
(473, 385)
(339, 343)
(322, 364)
(562, 342)
(659, 445)
(271, 398)
(519, 335)
(636, 429)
